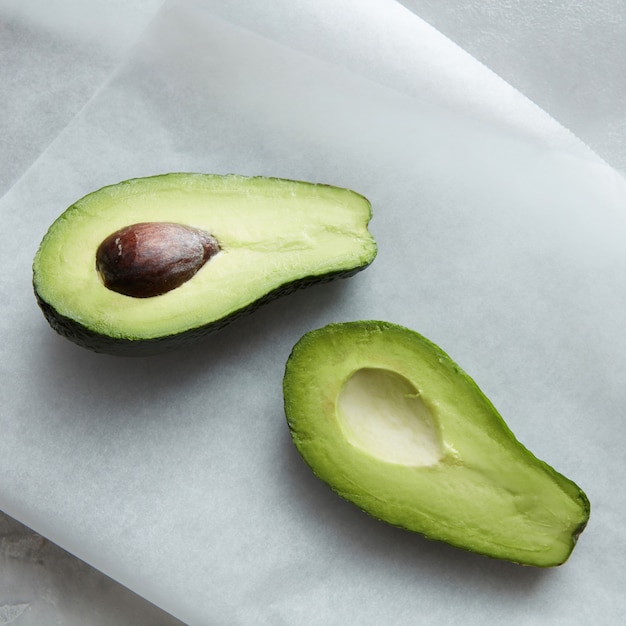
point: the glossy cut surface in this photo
(274, 236)
(392, 424)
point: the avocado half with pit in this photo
(393, 425)
(154, 263)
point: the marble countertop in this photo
(42, 584)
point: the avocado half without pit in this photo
(154, 263)
(393, 425)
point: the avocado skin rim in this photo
(116, 346)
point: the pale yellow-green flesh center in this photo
(271, 233)
(381, 413)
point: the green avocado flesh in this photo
(274, 235)
(392, 424)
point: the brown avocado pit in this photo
(151, 258)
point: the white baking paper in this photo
(54, 55)
(567, 57)
(500, 238)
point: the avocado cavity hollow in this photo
(382, 413)
(151, 258)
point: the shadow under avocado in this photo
(269, 332)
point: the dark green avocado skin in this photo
(96, 342)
